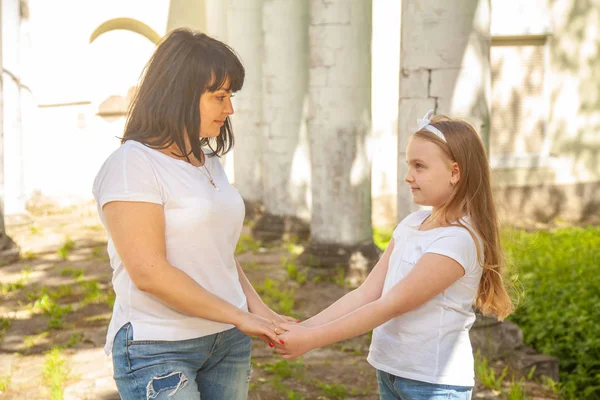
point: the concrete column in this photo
(339, 126)
(285, 83)
(9, 251)
(13, 86)
(445, 66)
(244, 32)
(187, 13)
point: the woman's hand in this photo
(284, 319)
(265, 312)
(297, 340)
(266, 330)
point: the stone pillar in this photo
(244, 32)
(445, 66)
(13, 87)
(9, 251)
(216, 13)
(339, 125)
(286, 166)
(187, 13)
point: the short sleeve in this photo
(127, 175)
(457, 244)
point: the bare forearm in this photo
(348, 303)
(180, 292)
(356, 323)
(255, 303)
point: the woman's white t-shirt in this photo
(202, 227)
(430, 343)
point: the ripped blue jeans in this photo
(214, 367)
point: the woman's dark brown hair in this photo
(166, 106)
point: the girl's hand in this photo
(264, 329)
(297, 340)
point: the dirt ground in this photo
(59, 296)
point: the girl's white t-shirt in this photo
(430, 343)
(202, 227)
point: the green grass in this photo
(382, 237)
(516, 391)
(55, 373)
(6, 288)
(247, 243)
(293, 273)
(333, 390)
(510, 390)
(56, 313)
(29, 255)
(74, 340)
(4, 382)
(32, 340)
(10, 287)
(5, 323)
(278, 298)
(285, 369)
(340, 277)
(281, 370)
(486, 375)
(64, 251)
(99, 254)
(74, 273)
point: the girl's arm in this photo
(138, 233)
(432, 274)
(369, 291)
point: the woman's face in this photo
(215, 107)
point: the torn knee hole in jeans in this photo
(172, 381)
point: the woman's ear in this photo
(455, 178)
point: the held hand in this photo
(284, 319)
(266, 330)
(265, 312)
(296, 341)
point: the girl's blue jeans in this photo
(392, 387)
(214, 367)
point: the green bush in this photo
(559, 310)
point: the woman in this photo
(184, 309)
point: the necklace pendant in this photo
(215, 186)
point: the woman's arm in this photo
(432, 274)
(369, 291)
(255, 303)
(138, 233)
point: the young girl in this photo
(419, 296)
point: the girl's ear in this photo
(455, 178)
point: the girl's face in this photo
(431, 175)
(215, 107)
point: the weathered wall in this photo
(552, 171)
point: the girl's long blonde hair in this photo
(472, 196)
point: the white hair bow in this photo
(425, 123)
